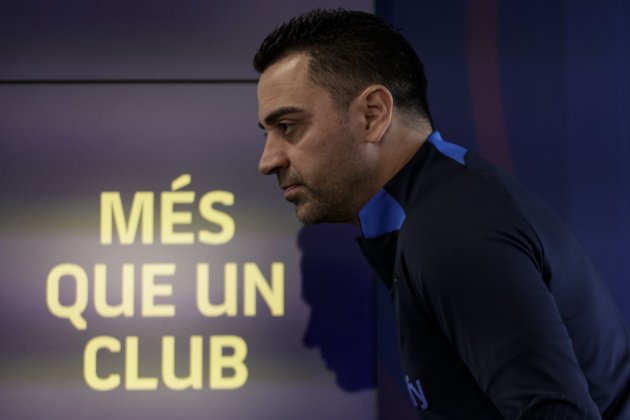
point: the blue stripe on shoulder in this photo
(451, 150)
(382, 214)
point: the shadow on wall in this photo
(339, 287)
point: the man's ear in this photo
(376, 105)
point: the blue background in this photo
(562, 75)
(542, 88)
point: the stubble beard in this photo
(345, 190)
(339, 202)
(313, 210)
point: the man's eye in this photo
(285, 128)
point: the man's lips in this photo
(289, 189)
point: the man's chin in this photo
(307, 213)
(306, 217)
(312, 215)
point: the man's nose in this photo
(273, 157)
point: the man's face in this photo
(311, 146)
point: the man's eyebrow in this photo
(273, 118)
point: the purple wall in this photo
(126, 97)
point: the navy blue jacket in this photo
(500, 314)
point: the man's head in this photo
(336, 88)
(348, 51)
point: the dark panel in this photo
(121, 39)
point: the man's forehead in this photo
(288, 72)
(286, 84)
(290, 63)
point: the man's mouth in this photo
(289, 191)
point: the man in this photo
(499, 312)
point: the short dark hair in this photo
(348, 51)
